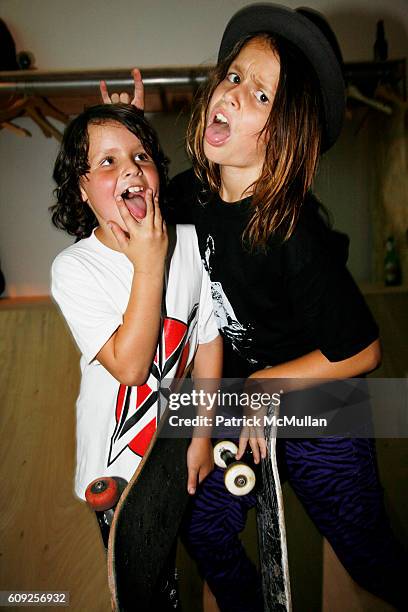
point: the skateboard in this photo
(240, 479)
(144, 526)
(271, 528)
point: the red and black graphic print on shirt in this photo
(138, 409)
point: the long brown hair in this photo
(293, 136)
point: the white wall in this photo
(105, 34)
(118, 33)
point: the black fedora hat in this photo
(309, 31)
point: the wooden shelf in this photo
(380, 289)
(35, 301)
(26, 302)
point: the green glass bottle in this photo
(392, 266)
(381, 44)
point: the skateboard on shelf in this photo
(140, 523)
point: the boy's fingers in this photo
(104, 92)
(243, 441)
(118, 233)
(263, 447)
(124, 97)
(192, 480)
(253, 443)
(203, 473)
(129, 221)
(258, 445)
(150, 209)
(138, 94)
(158, 221)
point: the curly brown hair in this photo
(294, 135)
(70, 213)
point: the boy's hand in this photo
(145, 243)
(256, 438)
(200, 462)
(124, 97)
(254, 431)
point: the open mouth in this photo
(134, 198)
(218, 131)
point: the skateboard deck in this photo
(145, 524)
(271, 529)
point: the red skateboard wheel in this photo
(102, 494)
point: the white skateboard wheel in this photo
(225, 445)
(239, 479)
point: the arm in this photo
(129, 352)
(207, 372)
(316, 365)
(326, 304)
(208, 360)
(304, 372)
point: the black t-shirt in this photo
(273, 307)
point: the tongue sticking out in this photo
(135, 205)
(217, 133)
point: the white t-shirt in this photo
(91, 285)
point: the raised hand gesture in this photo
(124, 97)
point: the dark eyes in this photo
(234, 78)
(261, 97)
(138, 157)
(142, 157)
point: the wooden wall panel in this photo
(390, 309)
(49, 540)
(340, 592)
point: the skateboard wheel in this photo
(239, 479)
(219, 448)
(102, 494)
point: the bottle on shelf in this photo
(392, 266)
(381, 44)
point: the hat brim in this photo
(309, 39)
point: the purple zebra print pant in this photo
(336, 479)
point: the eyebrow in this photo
(112, 150)
(102, 153)
(106, 151)
(258, 82)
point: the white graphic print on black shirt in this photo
(239, 336)
(295, 297)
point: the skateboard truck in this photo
(103, 495)
(239, 478)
